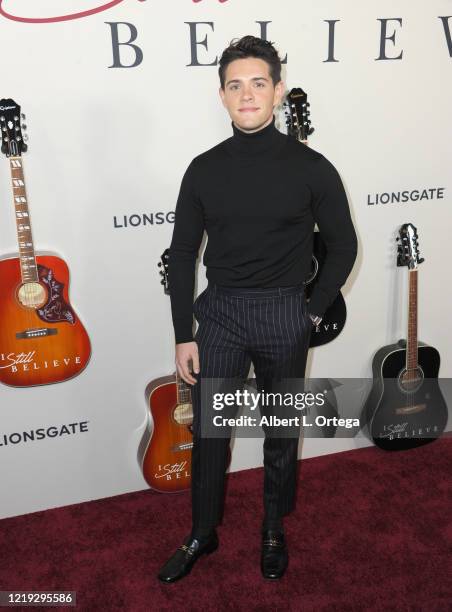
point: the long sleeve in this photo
(187, 236)
(331, 212)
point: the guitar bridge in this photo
(36, 333)
(411, 409)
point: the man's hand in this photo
(187, 352)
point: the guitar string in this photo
(19, 221)
(23, 286)
(26, 289)
(408, 349)
(27, 285)
(414, 343)
(184, 400)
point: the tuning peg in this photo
(23, 115)
(25, 136)
(24, 148)
(311, 131)
(421, 260)
(24, 127)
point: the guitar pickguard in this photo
(55, 310)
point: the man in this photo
(258, 195)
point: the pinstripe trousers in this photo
(269, 327)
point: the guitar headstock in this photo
(408, 247)
(13, 140)
(163, 265)
(296, 107)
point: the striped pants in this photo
(269, 327)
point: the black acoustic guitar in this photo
(405, 407)
(296, 108)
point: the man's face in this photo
(249, 94)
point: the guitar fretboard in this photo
(411, 354)
(183, 391)
(27, 257)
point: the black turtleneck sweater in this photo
(258, 195)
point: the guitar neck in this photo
(182, 390)
(411, 351)
(27, 256)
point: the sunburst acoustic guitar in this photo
(42, 340)
(166, 463)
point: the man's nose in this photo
(247, 92)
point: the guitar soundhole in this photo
(32, 295)
(183, 414)
(411, 380)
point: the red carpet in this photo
(372, 531)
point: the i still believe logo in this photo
(124, 34)
(24, 8)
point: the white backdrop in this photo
(108, 142)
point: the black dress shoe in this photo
(180, 564)
(274, 557)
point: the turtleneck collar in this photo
(249, 144)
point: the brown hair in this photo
(251, 46)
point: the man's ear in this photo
(221, 92)
(280, 88)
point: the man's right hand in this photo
(187, 352)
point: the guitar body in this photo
(334, 317)
(42, 345)
(167, 460)
(400, 416)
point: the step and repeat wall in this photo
(119, 97)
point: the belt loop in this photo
(280, 291)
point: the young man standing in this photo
(258, 195)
